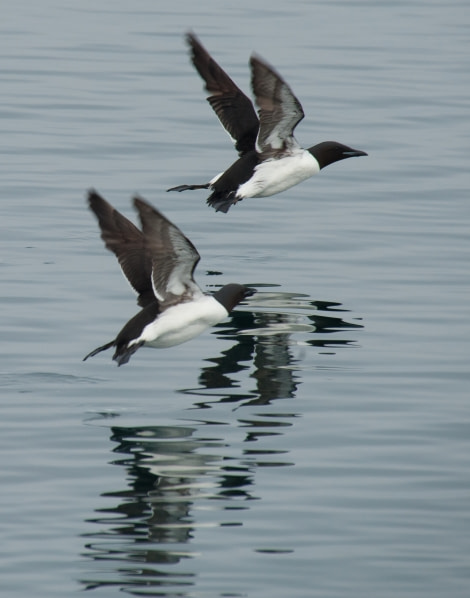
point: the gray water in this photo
(317, 443)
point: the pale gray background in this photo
(184, 473)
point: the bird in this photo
(270, 158)
(159, 263)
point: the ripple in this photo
(270, 334)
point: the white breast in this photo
(274, 176)
(183, 322)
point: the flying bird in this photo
(270, 158)
(159, 263)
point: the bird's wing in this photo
(174, 258)
(233, 108)
(279, 110)
(127, 243)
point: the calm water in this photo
(317, 443)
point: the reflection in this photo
(180, 480)
(161, 533)
(272, 334)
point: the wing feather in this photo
(279, 110)
(174, 257)
(233, 108)
(127, 243)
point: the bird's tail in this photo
(189, 187)
(98, 350)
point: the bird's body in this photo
(270, 158)
(178, 324)
(159, 263)
(273, 176)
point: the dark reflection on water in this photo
(182, 479)
(179, 479)
(265, 341)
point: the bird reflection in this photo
(184, 478)
(179, 480)
(265, 335)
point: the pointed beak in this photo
(351, 153)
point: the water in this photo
(317, 442)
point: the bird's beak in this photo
(352, 153)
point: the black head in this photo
(328, 152)
(232, 294)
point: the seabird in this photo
(159, 263)
(270, 158)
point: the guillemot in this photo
(159, 263)
(270, 158)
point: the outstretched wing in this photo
(233, 108)
(279, 110)
(127, 243)
(174, 258)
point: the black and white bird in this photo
(159, 263)
(270, 158)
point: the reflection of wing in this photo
(173, 256)
(233, 108)
(279, 110)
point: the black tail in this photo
(98, 350)
(189, 187)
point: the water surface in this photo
(316, 443)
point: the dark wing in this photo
(233, 108)
(127, 243)
(279, 110)
(174, 257)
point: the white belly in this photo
(275, 176)
(183, 322)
